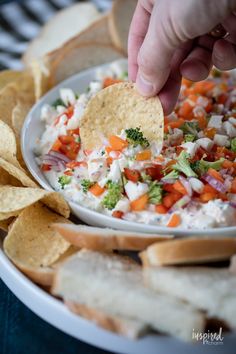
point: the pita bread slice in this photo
(101, 239)
(119, 107)
(63, 26)
(119, 22)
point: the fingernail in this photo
(145, 87)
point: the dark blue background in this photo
(22, 332)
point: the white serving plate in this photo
(51, 309)
(55, 312)
(33, 129)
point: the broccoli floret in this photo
(58, 102)
(64, 180)
(190, 128)
(233, 144)
(145, 177)
(189, 138)
(155, 193)
(173, 174)
(113, 195)
(183, 165)
(86, 184)
(135, 137)
(203, 166)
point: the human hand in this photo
(169, 39)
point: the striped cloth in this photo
(20, 22)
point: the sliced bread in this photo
(189, 251)
(77, 58)
(63, 26)
(119, 22)
(209, 289)
(117, 324)
(113, 284)
(101, 239)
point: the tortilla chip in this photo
(57, 203)
(18, 173)
(19, 114)
(32, 241)
(119, 107)
(8, 76)
(4, 224)
(15, 199)
(7, 179)
(41, 77)
(8, 100)
(8, 148)
(25, 87)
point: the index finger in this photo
(137, 33)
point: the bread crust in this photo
(82, 238)
(189, 251)
(119, 29)
(110, 323)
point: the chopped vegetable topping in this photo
(189, 138)
(64, 180)
(113, 195)
(203, 166)
(86, 184)
(58, 102)
(233, 144)
(135, 137)
(183, 165)
(155, 193)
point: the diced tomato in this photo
(156, 173)
(73, 164)
(132, 175)
(118, 214)
(70, 111)
(168, 200)
(73, 131)
(57, 145)
(68, 173)
(45, 167)
(222, 151)
(109, 161)
(233, 186)
(66, 139)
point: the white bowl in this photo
(33, 129)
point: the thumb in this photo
(155, 54)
